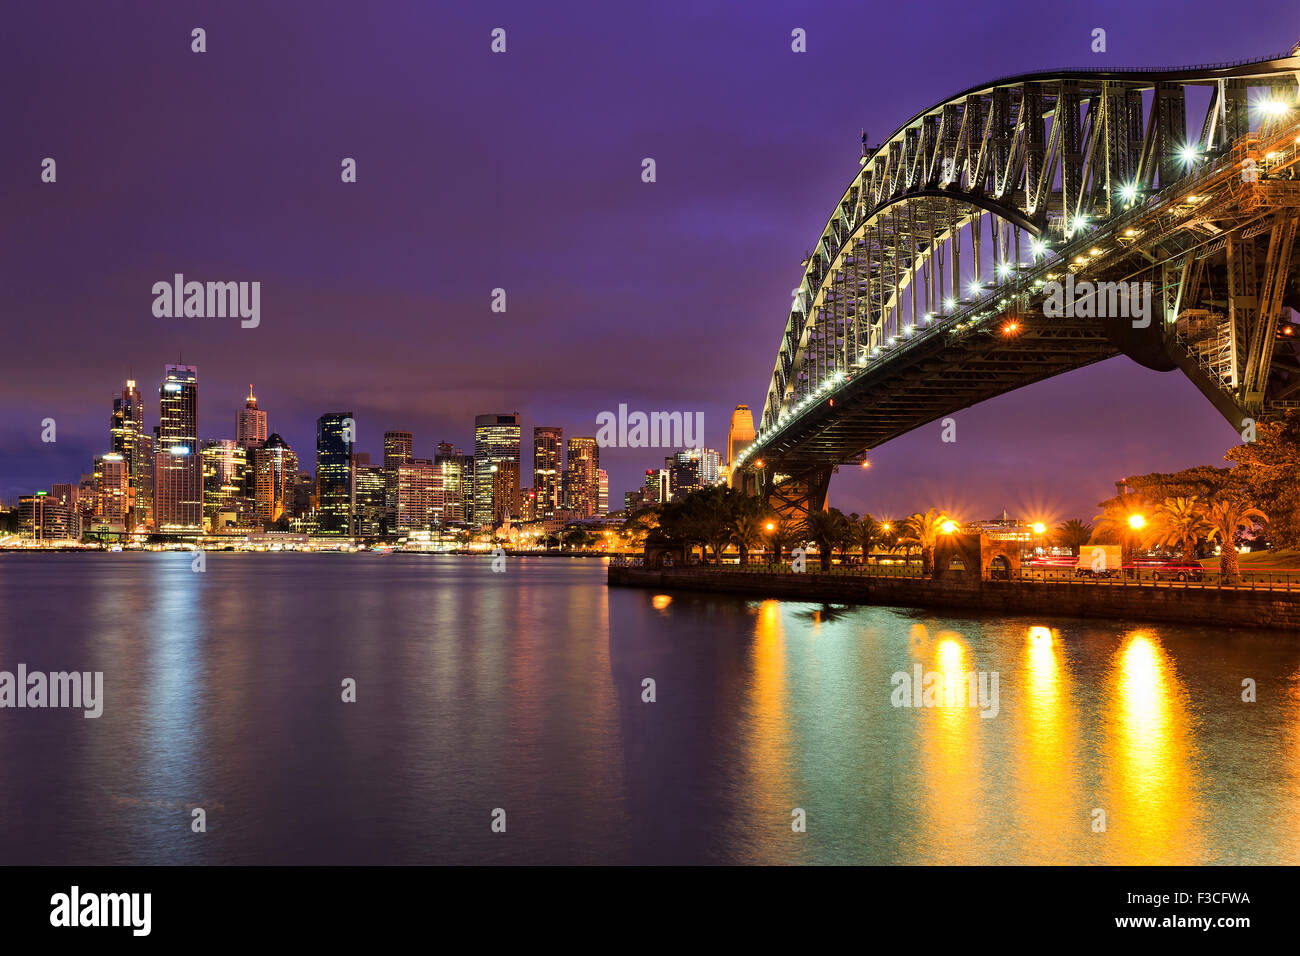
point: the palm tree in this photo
(782, 531)
(1180, 523)
(827, 528)
(1073, 534)
(1121, 523)
(747, 530)
(922, 531)
(1227, 516)
(868, 533)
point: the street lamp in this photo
(948, 527)
(1137, 522)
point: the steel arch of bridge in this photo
(1044, 157)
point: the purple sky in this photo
(519, 171)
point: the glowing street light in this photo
(1039, 527)
(948, 527)
(770, 526)
(1137, 522)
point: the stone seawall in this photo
(1229, 607)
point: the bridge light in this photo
(974, 288)
(1004, 269)
(1094, 251)
(1010, 328)
(1189, 154)
(759, 463)
(770, 526)
(1038, 247)
(909, 329)
(865, 463)
(1128, 192)
(1080, 223)
(1274, 107)
(949, 304)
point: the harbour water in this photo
(526, 691)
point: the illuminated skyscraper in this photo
(691, 470)
(250, 423)
(548, 446)
(112, 493)
(335, 432)
(127, 436)
(398, 450)
(457, 474)
(225, 480)
(369, 494)
(496, 453)
(275, 467)
(178, 471)
(418, 491)
(602, 497)
(582, 477)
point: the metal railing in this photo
(1249, 579)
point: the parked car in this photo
(1171, 569)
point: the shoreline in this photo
(1245, 608)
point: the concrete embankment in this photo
(1186, 605)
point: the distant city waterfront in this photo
(525, 691)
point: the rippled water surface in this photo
(524, 691)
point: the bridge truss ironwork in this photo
(925, 292)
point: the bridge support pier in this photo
(792, 490)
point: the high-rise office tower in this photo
(225, 482)
(507, 497)
(456, 472)
(369, 494)
(178, 470)
(692, 469)
(127, 436)
(250, 423)
(548, 446)
(398, 450)
(112, 492)
(275, 468)
(496, 453)
(602, 497)
(581, 474)
(334, 436)
(418, 491)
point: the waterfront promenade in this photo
(1065, 597)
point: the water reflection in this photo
(527, 691)
(1150, 801)
(1049, 791)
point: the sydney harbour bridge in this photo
(925, 292)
